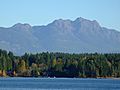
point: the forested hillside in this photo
(60, 65)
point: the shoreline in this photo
(64, 78)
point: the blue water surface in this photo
(59, 84)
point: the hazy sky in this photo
(42, 12)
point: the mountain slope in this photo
(78, 36)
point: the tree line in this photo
(45, 64)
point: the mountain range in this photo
(78, 36)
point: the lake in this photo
(58, 84)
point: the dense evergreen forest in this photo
(60, 65)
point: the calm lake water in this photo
(58, 84)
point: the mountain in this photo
(78, 36)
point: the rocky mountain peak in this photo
(78, 36)
(21, 26)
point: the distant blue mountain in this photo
(78, 36)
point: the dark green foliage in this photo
(61, 64)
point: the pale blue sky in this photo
(42, 12)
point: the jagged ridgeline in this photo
(78, 36)
(60, 65)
